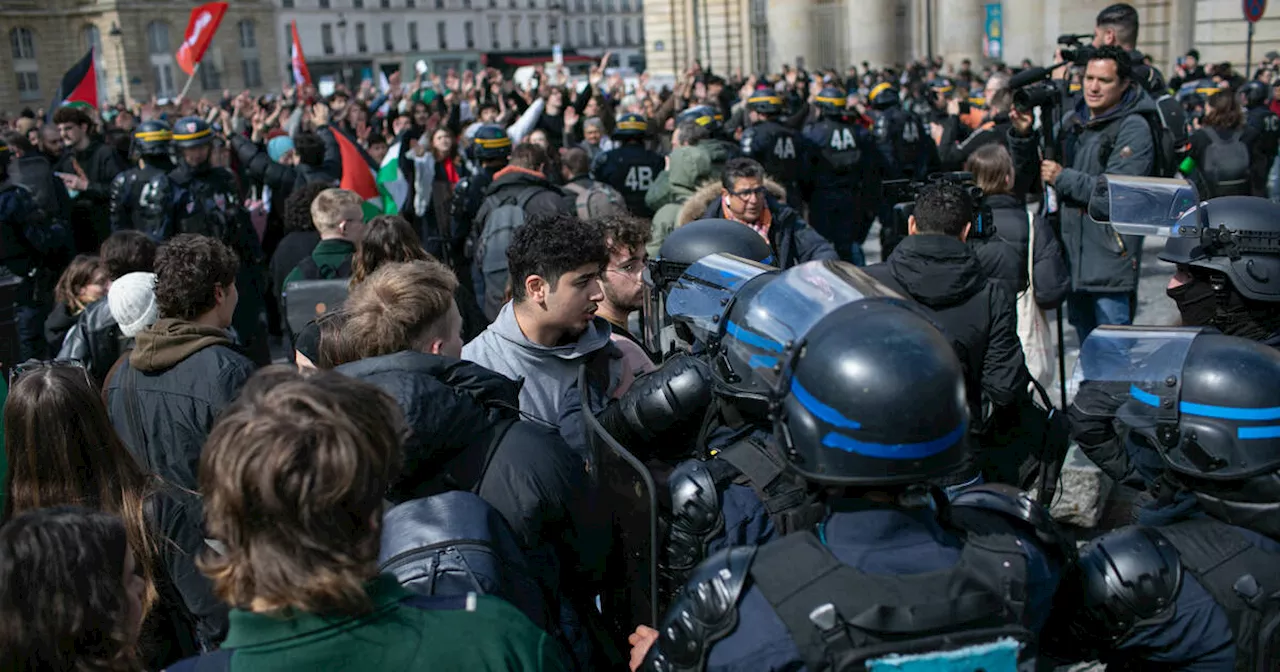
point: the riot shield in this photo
(699, 298)
(625, 489)
(1143, 206)
(306, 300)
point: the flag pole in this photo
(194, 71)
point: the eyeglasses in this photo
(748, 194)
(39, 365)
(632, 268)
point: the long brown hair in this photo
(84, 269)
(387, 239)
(992, 168)
(63, 450)
(1223, 111)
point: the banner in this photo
(993, 35)
(301, 75)
(201, 26)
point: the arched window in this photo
(27, 71)
(161, 57)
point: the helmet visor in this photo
(1143, 206)
(1134, 374)
(701, 296)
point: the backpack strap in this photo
(309, 268)
(499, 433)
(790, 505)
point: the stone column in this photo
(873, 33)
(958, 29)
(789, 33)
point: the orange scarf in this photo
(761, 227)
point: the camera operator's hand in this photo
(1049, 171)
(1021, 121)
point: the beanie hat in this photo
(277, 146)
(132, 300)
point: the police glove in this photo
(1092, 418)
(659, 401)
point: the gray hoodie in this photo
(546, 373)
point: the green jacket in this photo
(688, 169)
(490, 635)
(329, 255)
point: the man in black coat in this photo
(934, 266)
(184, 369)
(87, 168)
(33, 171)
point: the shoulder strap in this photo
(310, 269)
(527, 195)
(1239, 575)
(499, 433)
(1109, 135)
(790, 505)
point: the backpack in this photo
(597, 200)
(314, 271)
(1169, 135)
(1225, 167)
(455, 543)
(499, 217)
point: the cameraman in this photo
(1117, 26)
(1106, 133)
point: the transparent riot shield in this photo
(700, 297)
(1144, 206)
(626, 492)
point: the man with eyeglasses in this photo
(623, 283)
(748, 198)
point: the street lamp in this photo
(122, 78)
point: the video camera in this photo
(903, 194)
(1033, 87)
(1076, 48)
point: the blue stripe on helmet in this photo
(762, 362)
(894, 451)
(820, 410)
(1269, 432)
(752, 339)
(1231, 412)
(1143, 396)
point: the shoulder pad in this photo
(697, 515)
(1123, 578)
(881, 127)
(704, 611)
(748, 141)
(1014, 506)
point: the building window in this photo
(582, 33)
(553, 31)
(442, 35)
(469, 29)
(251, 68)
(581, 5)
(161, 57)
(410, 4)
(28, 86)
(24, 63)
(387, 43)
(324, 4)
(515, 32)
(608, 6)
(357, 4)
(386, 4)
(248, 39)
(533, 32)
(493, 4)
(626, 5)
(494, 43)
(613, 35)
(286, 4)
(362, 41)
(466, 4)
(210, 78)
(626, 32)
(439, 4)
(595, 33)
(533, 4)
(512, 4)
(639, 5)
(326, 38)
(413, 35)
(595, 6)
(640, 31)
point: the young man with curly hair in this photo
(184, 368)
(550, 326)
(623, 283)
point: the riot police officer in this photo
(1258, 114)
(778, 148)
(1194, 585)
(901, 135)
(842, 179)
(138, 195)
(630, 167)
(490, 150)
(718, 147)
(870, 406)
(204, 201)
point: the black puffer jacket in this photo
(943, 274)
(453, 409)
(95, 341)
(1003, 255)
(182, 375)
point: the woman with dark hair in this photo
(71, 597)
(84, 282)
(391, 239)
(1224, 158)
(62, 449)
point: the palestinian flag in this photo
(391, 180)
(359, 174)
(79, 86)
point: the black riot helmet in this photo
(873, 396)
(702, 115)
(192, 132)
(631, 126)
(491, 142)
(832, 102)
(883, 96)
(152, 138)
(1256, 93)
(766, 102)
(701, 238)
(1237, 237)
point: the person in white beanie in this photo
(132, 299)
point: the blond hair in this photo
(400, 306)
(326, 209)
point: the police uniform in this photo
(630, 168)
(842, 180)
(720, 149)
(864, 583)
(490, 143)
(140, 196)
(1259, 116)
(778, 148)
(903, 139)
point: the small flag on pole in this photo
(79, 86)
(201, 27)
(301, 75)
(361, 175)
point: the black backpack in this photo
(1169, 134)
(1224, 170)
(454, 543)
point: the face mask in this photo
(1196, 302)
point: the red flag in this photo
(79, 86)
(301, 75)
(200, 29)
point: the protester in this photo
(338, 216)
(86, 167)
(84, 282)
(300, 234)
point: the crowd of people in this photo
(603, 377)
